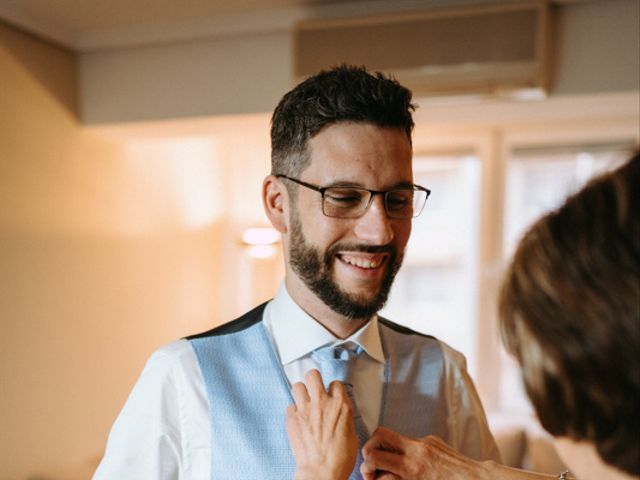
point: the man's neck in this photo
(339, 325)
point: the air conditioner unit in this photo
(494, 50)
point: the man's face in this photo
(350, 264)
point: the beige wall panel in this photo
(103, 258)
(226, 75)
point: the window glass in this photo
(435, 290)
(537, 181)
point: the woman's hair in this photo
(344, 93)
(569, 311)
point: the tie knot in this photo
(336, 362)
(345, 352)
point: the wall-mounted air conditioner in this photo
(495, 50)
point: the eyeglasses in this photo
(352, 202)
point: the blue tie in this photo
(337, 362)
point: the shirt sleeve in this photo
(145, 440)
(468, 427)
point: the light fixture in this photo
(260, 236)
(260, 242)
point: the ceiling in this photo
(85, 25)
(82, 15)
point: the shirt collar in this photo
(296, 334)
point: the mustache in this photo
(362, 248)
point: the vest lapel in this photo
(413, 401)
(248, 395)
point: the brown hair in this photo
(341, 94)
(570, 313)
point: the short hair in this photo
(344, 93)
(569, 311)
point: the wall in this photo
(109, 247)
(598, 47)
(219, 76)
(597, 51)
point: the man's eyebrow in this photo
(345, 183)
(348, 184)
(404, 184)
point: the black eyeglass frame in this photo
(384, 194)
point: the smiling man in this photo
(341, 264)
(341, 193)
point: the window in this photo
(537, 181)
(438, 289)
(435, 291)
(540, 179)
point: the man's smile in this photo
(367, 261)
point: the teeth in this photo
(361, 262)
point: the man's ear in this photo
(274, 199)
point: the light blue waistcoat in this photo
(248, 395)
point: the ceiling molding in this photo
(508, 112)
(77, 32)
(268, 21)
(14, 14)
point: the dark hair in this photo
(344, 93)
(570, 312)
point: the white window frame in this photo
(493, 131)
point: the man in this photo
(341, 193)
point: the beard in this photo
(314, 269)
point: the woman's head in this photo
(570, 312)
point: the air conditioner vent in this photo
(466, 50)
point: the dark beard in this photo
(315, 271)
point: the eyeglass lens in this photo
(352, 203)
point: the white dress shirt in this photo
(164, 432)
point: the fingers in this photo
(314, 383)
(379, 460)
(310, 398)
(313, 387)
(387, 476)
(368, 470)
(383, 455)
(384, 439)
(321, 430)
(300, 394)
(338, 390)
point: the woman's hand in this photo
(321, 430)
(389, 455)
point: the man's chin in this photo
(362, 298)
(358, 304)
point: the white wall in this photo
(598, 47)
(109, 247)
(597, 51)
(224, 75)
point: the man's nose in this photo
(374, 227)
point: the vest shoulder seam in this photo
(241, 323)
(402, 329)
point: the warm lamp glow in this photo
(261, 251)
(260, 236)
(260, 242)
